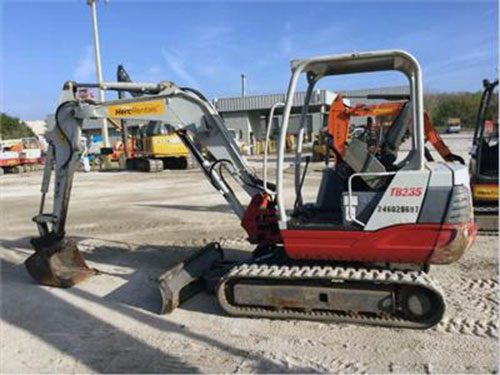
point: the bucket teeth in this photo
(57, 262)
(186, 278)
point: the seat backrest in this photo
(361, 160)
(393, 137)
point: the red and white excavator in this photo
(360, 252)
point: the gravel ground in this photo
(133, 226)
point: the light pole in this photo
(97, 53)
(243, 84)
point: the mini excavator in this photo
(359, 254)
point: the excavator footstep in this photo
(57, 263)
(186, 278)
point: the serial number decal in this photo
(406, 192)
(398, 209)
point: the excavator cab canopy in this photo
(324, 66)
(358, 63)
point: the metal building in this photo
(248, 116)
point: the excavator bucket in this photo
(57, 263)
(186, 278)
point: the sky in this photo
(208, 44)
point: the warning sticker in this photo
(152, 107)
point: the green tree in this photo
(12, 127)
(442, 106)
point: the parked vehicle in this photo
(453, 126)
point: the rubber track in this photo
(370, 276)
(487, 233)
(486, 211)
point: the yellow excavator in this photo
(155, 146)
(483, 166)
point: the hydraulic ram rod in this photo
(379, 96)
(124, 86)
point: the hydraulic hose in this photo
(63, 133)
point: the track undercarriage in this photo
(486, 216)
(273, 286)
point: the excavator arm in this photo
(340, 116)
(433, 137)
(56, 260)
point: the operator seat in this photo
(361, 160)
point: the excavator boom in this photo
(56, 260)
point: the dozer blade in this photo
(185, 279)
(57, 262)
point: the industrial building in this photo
(39, 127)
(248, 115)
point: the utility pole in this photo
(97, 54)
(243, 84)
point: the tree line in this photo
(465, 106)
(12, 127)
